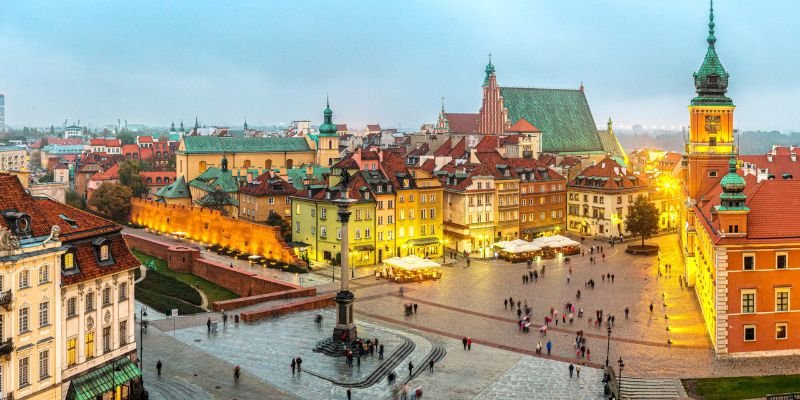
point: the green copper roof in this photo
(562, 115)
(215, 177)
(489, 71)
(327, 128)
(175, 190)
(711, 80)
(218, 145)
(611, 145)
(732, 197)
(297, 175)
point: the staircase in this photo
(652, 388)
(389, 364)
(437, 353)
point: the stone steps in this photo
(437, 354)
(652, 388)
(171, 389)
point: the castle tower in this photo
(327, 140)
(710, 139)
(493, 114)
(732, 211)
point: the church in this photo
(561, 116)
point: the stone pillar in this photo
(345, 298)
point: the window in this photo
(358, 233)
(780, 261)
(782, 299)
(123, 333)
(781, 330)
(44, 313)
(748, 301)
(749, 262)
(89, 345)
(367, 233)
(71, 307)
(380, 220)
(401, 232)
(314, 212)
(89, 302)
(23, 320)
(44, 274)
(323, 213)
(44, 364)
(390, 219)
(313, 230)
(339, 233)
(619, 199)
(358, 215)
(24, 378)
(104, 253)
(323, 232)
(271, 200)
(106, 339)
(24, 277)
(71, 349)
(297, 226)
(713, 174)
(123, 292)
(749, 333)
(433, 213)
(107, 296)
(410, 231)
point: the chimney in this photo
(769, 157)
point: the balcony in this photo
(6, 347)
(5, 299)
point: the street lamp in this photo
(608, 346)
(142, 328)
(619, 381)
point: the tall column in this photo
(344, 299)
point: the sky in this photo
(155, 61)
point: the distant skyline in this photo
(153, 62)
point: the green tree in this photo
(129, 176)
(47, 177)
(286, 230)
(126, 137)
(113, 200)
(74, 199)
(642, 219)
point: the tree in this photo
(286, 230)
(113, 200)
(74, 199)
(129, 176)
(126, 137)
(642, 219)
(47, 177)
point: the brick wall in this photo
(313, 303)
(261, 298)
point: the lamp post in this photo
(142, 327)
(619, 381)
(608, 346)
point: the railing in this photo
(6, 298)
(784, 396)
(6, 347)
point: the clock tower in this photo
(710, 142)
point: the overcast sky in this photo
(155, 61)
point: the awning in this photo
(539, 229)
(99, 380)
(365, 247)
(298, 244)
(423, 241)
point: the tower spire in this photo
(711, 38)
(442, 104)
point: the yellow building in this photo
(470, 201)
(195, 154)
(52, 257)
(431, 239)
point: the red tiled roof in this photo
(420, 151)
(145, 139)
(462, 122)
(374, 127)
(608, 174)
(459, 149)
(105, 142)
(444, 148)
(778, 164)
(513, 139)
(130, 149)
(523, 126)
(488, 143)
(429, 165)
(107, 175)
(341, 127)
(268, 184)
(64, 142)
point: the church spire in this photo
(711, 39)
(327, 127)
(489, 70)
(245, 123)
(711, 80)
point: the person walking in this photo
(391, 378)
(299, 364)
(410, 368)
(571, 368)
(158, 367)
(505, 304)
(349, 394)
(236, 372)
(626, 312)
(469, 343)
(549, 346)
(208, 324)
(430, 365)
(464, 342)
(380, 352)
(294, 365)
(224, 319)
(612, 278)
(578, 369)
(651, 307)
(415, 308)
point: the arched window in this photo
(44, 274)
(158, 180)
(202, 166)
(330, 144)
(149, 181)
(246, 164)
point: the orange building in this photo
(740, 239)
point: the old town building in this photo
(265, 195)
(599, 198)
(66, 320)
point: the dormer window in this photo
(19, 222)
(102, 250)
(69, 261)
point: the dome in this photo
(327, 127)
(732, 182)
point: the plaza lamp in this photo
(619, 381)
(142, 326)
(608, 346)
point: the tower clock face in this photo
(712, 123)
